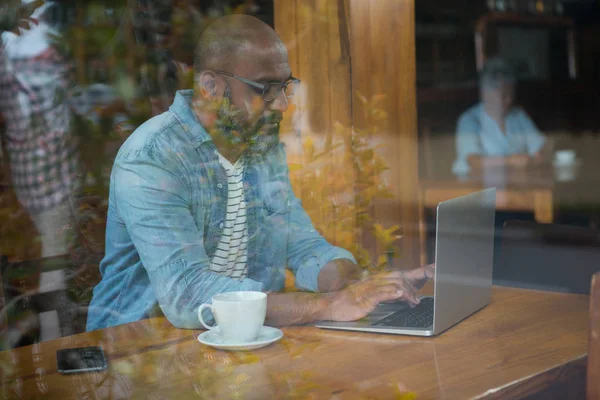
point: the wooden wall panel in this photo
(317, 36)
(319, 52)
(313, 60)
(286, 27)
(338, 39)
(383, 63)
(406, 109)
(343, 49)
(360, 23)
(322, 59)
(340, 92)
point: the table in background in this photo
(538, 190)
(530, 190)
(524, 342)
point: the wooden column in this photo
(316, 35)
(383, 63)
(340, 48)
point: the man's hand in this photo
(338, 274)
(359, 299)
(418, 277)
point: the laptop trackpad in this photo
(385, 309)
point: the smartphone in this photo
(82, 359)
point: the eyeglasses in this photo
(269, 91)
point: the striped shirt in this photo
(231, 257)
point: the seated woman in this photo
(494, 132)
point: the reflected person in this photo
(495, 132)
(201, 202)
(42, 148)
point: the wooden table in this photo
(515, 191)
(530, 190)
(520, 344)
(538, 190)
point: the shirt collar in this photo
(483, 113)
(184, 113)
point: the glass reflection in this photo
(158, 152)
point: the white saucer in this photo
(266, 336)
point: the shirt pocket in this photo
(274, 232)
(277, 202)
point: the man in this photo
(494, 132)
(201, 202)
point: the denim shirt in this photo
(167, 205)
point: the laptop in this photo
(464, 253)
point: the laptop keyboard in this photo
(419, 317)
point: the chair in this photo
(593, 367)
(547, 257)
(43, 299)
(438, 147)
(46, 298)
(34, 291)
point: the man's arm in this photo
(296, 308)
(150, 196)
(351, 303)
(539, 146)
(338, 274)
(317, 265)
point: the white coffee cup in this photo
(564, 157)
(239, 316)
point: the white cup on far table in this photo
(239, 316)
(564, 157)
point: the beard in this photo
(258, 137)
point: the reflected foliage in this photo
(340, 181)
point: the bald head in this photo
(231, 39)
